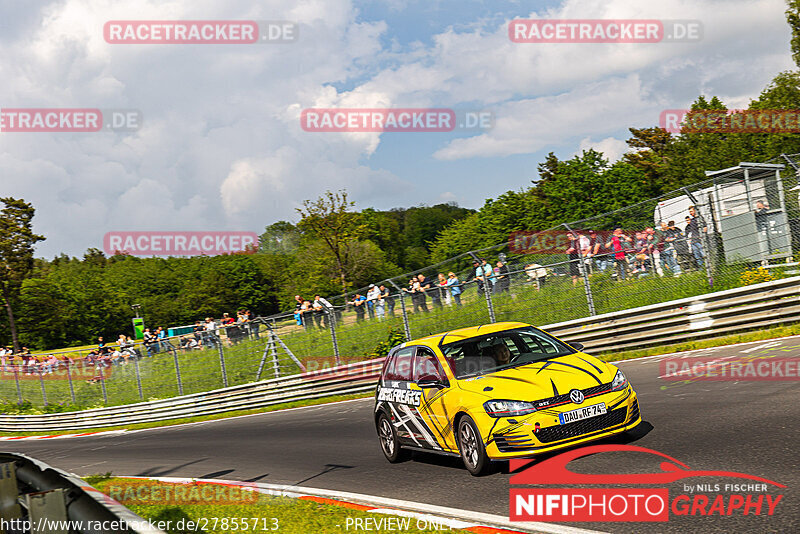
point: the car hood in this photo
(541, 380)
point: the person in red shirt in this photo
(617, 246)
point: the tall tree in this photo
(330, 219)
(16, 254)
(793, 18)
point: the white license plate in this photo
(582, 413)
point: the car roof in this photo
(442, 338)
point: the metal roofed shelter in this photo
(751, 212)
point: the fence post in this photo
(332, 324)
(103, 387)
(222, 362)
(274, 353)
(138, 377)
(270, 341)
(16, 379)
(41, 382)
(487, 292)
(69, 379)
(178, 371)
(406, 326)
(587, 288)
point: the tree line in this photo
(334, 247)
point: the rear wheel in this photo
(473, 452)
(389, 442)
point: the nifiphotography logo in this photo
(613, 504)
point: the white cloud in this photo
(611, 147)
(221, 146)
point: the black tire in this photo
(470, 444)
(390, 445)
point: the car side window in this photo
(427, 366)
(400, 369)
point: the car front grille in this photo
(634, 411)
(579, 428)
(564, 397)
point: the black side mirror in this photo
(576, 345)
(428, 382)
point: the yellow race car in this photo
(495, 392)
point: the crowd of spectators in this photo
(666, 250)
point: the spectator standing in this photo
(573, 255)
(442, 288)
(380, 306)
(254, 326)
(372, 295)
(617, 245)
(488, 275)
(326, 308)
(667, 234)
(455, 287)
(696, 230)
(425, 285)
(211, 332)
(359, 303)
(477, 274)
(149, 342)
(503, 281)
(655, 246)
(594, 251)
(388, 298)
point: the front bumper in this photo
(521, 441)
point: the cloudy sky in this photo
(221, 147)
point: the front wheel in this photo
(473, 452)
(390, 445)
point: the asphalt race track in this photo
(743, 426)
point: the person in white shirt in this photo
(373, 294)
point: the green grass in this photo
(264, 513)
(557, 301)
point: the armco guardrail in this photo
(39, 498)
(714, 314)
(358, 377)
(710, 315)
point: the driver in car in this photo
(502, 355)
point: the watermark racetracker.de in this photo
(200, 32)
(395, 120)
(171, 243)
(604, 31)
(77, 120)
(730, 120)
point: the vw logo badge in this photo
(576, 396)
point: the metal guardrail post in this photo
(178, 371)
(44, 390)
(406, 326)
(19, 391)
(587, 288)
(138, 377)
(69, 379)
(222, 362)
(332, 324)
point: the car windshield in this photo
(501, 350)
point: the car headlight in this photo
(619, 382)
(508, 408)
